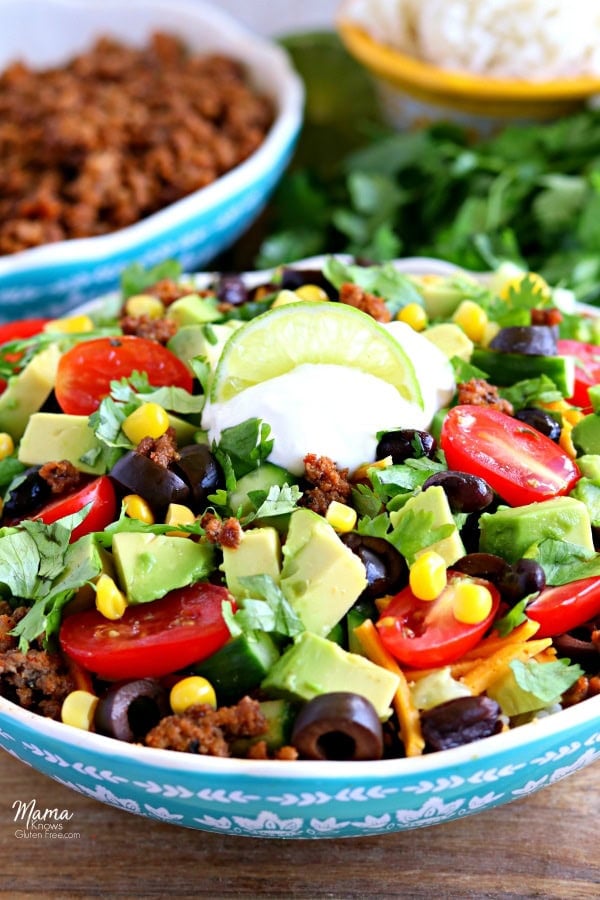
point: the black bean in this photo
(541, 420)
(483, 565)
(385, 567)
(460, 721)
(465, 492)
(523, 578)
(406, 443)
(231, 289)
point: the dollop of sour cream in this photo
(335, 410)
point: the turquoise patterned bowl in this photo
(50, 279)
(307, 799)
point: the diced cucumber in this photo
(504, 369)
(260, 479)
(356, 616)
(338, 634)
(280, 716)
(239, 666)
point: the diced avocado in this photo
(589, 466)
(320, 576)
(202, 340)
(510, 532)
(588, 492)
(441, 294)
(437, 688)
(26, 392)
(280, 715)
(586, 434)
(313, 666)
(151, 565)
(239, 666)
(435, 502)
(258, 553)
(194, 310)
(451, 340)
(261, 479)
(50, 436)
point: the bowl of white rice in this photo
(481, 62)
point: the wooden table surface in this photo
(545, 846)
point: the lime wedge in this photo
(281, 339)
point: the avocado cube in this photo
(586, 434)
(194, 310)
(320, 577)
(511, 531)
(451, 340)
(258, 553)
(50, 436)
(150, 565)
(313, 666)
(26, 392)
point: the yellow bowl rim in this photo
(405, 70)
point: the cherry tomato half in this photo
(150, 639)
(559, 609)
(424, 633)
(12, 331)
(587, 368)
(86, 370)
(517, 461)
(99, 492)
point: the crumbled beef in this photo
(168, 290)
(259, 750)
(202, 729)
(225, 532)
(116, 134)
(585, 687)
(160, 330)
(37, 679)
(161, 450)
(329, 483)
(478, 392)
(374, 306)
(62, 476)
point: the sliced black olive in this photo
(541, 420)
(533, 340)
(483, 565)
(199, 469)
(231, 289)
(340, 725)
(29, 494)
(523, 578)
(135, 473)
(465, 492)
(128, 711)
(386, 568)
(406, 443)
(295, 278)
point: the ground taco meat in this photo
(326, 483)
(117, 134)
(202, 729)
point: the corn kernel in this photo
(148, 420)
(413, 314)
(427, 576)
(78, 709)
(341, 516)
(284, 297)
(137, 508)
(178, 514)
(471, 603)
(191, 691)
(144, 305)
(311, 292)
(472, 318)
(362, 472)
(7, 445)
(565, 441)
(70, 325)
(110, 601)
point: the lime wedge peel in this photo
(327, 332)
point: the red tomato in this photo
(12, 331)
(587, 368)
(99, 492)
(559, 609)
(424, 633)
(151, 639)
(86, 370)
(517, 461)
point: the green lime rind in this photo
(311, 332)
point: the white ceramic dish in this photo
(309, 799)
(49, 279)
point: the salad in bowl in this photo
(333, 519)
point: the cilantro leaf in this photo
(530, 392)
(265, 609)
(135, 278)
(277, 501)
(564, 562)
(241, 448)
(415, 531)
